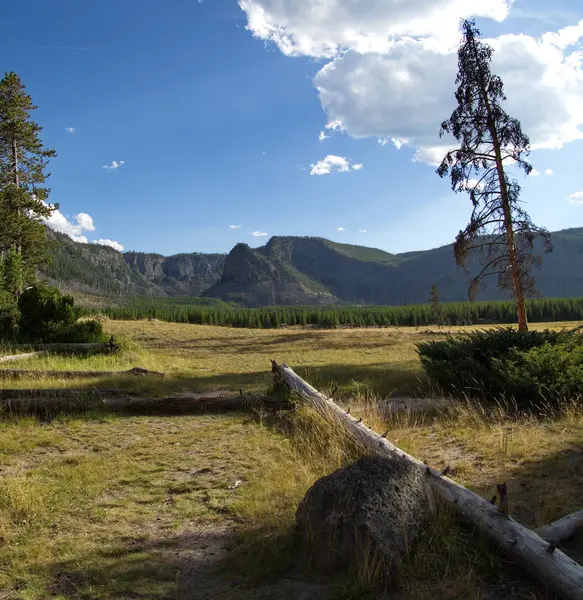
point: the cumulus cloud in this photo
(333, 163)
(329, 26)
(362, 230)
(115, 165)
(549, 172)
(323, 136)
(258, 233)
(576, 198)
(534, 173)
(70, 130)
(234, 226)
(76, 227)
(341, 229)
(396, 96)
(111, 243)
(392, 67)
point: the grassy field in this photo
(202, 506)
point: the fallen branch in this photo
(124, 401)
(563, 529)
(550, 566)
(24, 356)
(18, 373)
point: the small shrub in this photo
(486, 363)
(44, 311)
(82, 332)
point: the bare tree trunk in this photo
(508, 224)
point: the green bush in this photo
(44, 311)
(544, 375)
(82, 332)
(487, 363)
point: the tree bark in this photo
(508, 224)
(563, 529)
(550, 566)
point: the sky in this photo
(190, 126)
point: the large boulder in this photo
(371, 510)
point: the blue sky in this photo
(216, 108)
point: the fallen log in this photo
(23, 356)
(563, 529)
(124, 401)
(8, 393)
(18, 373)
(68, 348)
(541, 559)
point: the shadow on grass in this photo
(380, 379)
(193, 566)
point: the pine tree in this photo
(499, 228)
(23, 160)
(436, 316)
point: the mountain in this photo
(299, 270)
(178, 275)
(102, 271)
(344, 273)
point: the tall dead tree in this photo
(492, 144)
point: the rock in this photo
(374, 508)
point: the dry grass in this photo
(104, 506)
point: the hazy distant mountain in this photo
(300, 270)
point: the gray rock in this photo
(373, 509)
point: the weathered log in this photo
(563, 529)
(203, 401)
(18, 373)
(542, 560)
(23, 356)
(68, 348)
(119, 400)
(8, 393)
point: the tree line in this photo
(418, 315)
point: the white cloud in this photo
(534, 173)
(333, 163)
(258, 233)
(549, 172)
(111, 243)
(403, 94)
(341, 229)
(115, 165)
(393, 64)
(576, 198)
(323, 136)
(234, 226)
(326, 27)
(74, 228)
(70, 130)
(362, 230)
(474, 183)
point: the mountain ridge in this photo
(299, 270)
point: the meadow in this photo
(104, 505)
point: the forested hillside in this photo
(296, 270)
